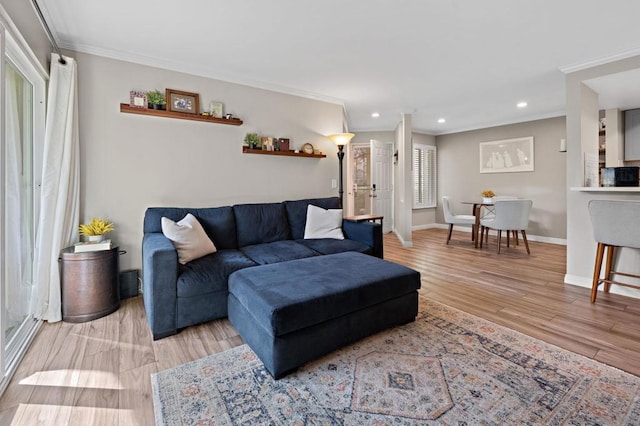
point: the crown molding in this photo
(489, 124)
(568, 69)
(198, 71)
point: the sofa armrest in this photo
(160, 277)
(368, 233)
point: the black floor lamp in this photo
(341, 139)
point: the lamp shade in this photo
(341, 139)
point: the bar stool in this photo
(615, 224)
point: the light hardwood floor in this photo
(98, 373)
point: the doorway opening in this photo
(370, 180)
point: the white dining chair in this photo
(489, 212)
(615, 224)
(456, 219)
(510, 215)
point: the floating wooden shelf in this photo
(247, 150)
(180, 115)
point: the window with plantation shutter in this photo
(424, 176)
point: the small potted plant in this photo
(156, 100)
(96, 229)
(252, 139)
(487, 196)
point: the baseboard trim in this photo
(402, 241)
(537, 238)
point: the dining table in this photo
(477, 213)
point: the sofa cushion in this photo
(220, 225)
(332, 246)
(188, 237)
(261, 223)
(323, 223)
(297, 212)
(277, 251)
(218, 222)
(290, 296)
(210, 273)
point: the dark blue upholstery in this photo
(210, 273)
(301, 293)
(290, 313)
(277, 251)
(246, 235)
(218, 222)
(368, 233)
(297, 213)
(332, 246)
(261, 223)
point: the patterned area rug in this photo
(448, 367)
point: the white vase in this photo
(487, 200)
(96, 238)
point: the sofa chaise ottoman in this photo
(292, 312)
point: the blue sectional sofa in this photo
(246, 235)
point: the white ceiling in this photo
(467, 61)
(620, 90)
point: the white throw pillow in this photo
(322, 223)
(188, 238)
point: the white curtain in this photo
(17, 207)
(59, 203)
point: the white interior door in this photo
(382, 182)
(359, 186)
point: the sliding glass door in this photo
(22, 141)
(18, 204)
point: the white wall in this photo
(403, 189)
(460, 179)
(131, 162)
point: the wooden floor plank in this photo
(99, 372)
(136, 399)
(97, 396)
(135, 340)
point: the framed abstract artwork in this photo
(507, 156)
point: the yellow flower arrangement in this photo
(97, 226)
(487, 193)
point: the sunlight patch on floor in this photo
(88, 378)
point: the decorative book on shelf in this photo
(92, 246)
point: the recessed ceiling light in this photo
(441, 120)
(521, 104)
(375, 114)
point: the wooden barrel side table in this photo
(90, 284)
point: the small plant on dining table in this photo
(487, 193)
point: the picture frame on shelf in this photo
(138, 99)
(283, 144)
(216, 109)
(179, 101)
(267, 143)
